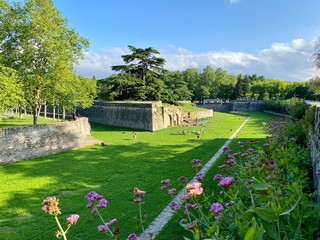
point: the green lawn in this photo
(252, 130)
(113, 172)
(26, 120)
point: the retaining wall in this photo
(20, 143)
(315, 147)
(243, 106)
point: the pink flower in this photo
(226, 182)
(216, 208)
(292, 139)
(194, 189)
(250, 150)
(150, 233)
(73, 219)
(183, 220)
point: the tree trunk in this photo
(45, 111)
(35, 116)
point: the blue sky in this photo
(274, 38)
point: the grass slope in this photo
(113, 172)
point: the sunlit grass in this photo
(113, 172)
(26, 120)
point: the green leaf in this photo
(251, 233)
(186, 238)
(259, 187)
(248, 215)
(291, 209)
(265, 213)
(270, 230)
(259, 234)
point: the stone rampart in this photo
(136, 115)
(21, 143)
(314, 134)
(243, 106)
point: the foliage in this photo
(293, 107)
(264, 194)
(10, 90)
(309, 118)
(36, 42)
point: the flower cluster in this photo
(105, 227)
(94, 197)
(50, 206)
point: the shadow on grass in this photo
(113, 172)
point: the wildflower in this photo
(266, 145)
(292, 139)
(105, 227)
(244, 155)
(137, 200)
(216, 208)
(167, 181)
(51, 206)
(132, 236)
(171, 191)
(163, 187)
(228, 204)
(194, 189)
(73, 219)
(240, 143)
(199, 176)
(194, 161)
(182, 180)
(222, 166)
(174, 206)
(263, 124)
(249, 181)
(138, 192)
(250, 150)
(221, 192)
(226, 182)
(150, 233)
(217, 177)
(199, 165)
(102, 203)
(183, 220)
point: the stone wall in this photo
(20, 143)
(243, 106)
(315, 147)
(136, 115)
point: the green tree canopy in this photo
(36, 42)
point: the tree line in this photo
(37, 56)
(143, 77)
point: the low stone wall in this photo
(243, 106)
(315, 147)
(21, 143)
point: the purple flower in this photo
(137, 200)
(102, 203)
(221, 192)
(228, 204)
(89, 205)
(194, 161)
(150, 233)
(174, 206)
(250, 150)
(222, 166)
(266, 145)
(182, 179)
(102, 228)
(226, 182)
(217, 177)
(171, 191)
(91, 196)
(216, 208)
(132, 236)
(199, 176)
(244, 155)
(167, 181)
(249, 181)
(292, 139)
(163, 187)
(199, 165)
(183, 220)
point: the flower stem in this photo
(140, 214)
(61, 229)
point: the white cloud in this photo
(286, 61)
